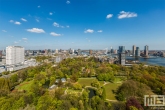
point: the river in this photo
(160, 61)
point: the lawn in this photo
(24, 85)
(110, 88)
(119, 79)
(85, 81)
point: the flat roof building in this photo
(14, 55)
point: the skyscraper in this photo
(14, 55)
(122, 55)
(137, 52)
(133, 50)
(90, 52)
(121, 49)
(146, 48)
(79, 52)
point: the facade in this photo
(56, 51)
(0, 54)
(122, 55)
(14, 55)
(146, 48)
(90, 52)
(121, 49)
(79, 52)
(133, 50)
(112, 51)
(137, 52)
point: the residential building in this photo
(121, 55)
(90, 52)
(14, 55)
(133, 50)
(146, 48)
(56, 51)
(137, 52)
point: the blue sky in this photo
(85, 24)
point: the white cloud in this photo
(24, 39)
(67, 26)
(109, 16)
(23, 19)
(67, 2)
(17, 23)
(99, 31)
(39, 6)
(15, 42)
(50, 13)
(36, 30)
(4, 30)
(89, 31)
(124, 14)
(11, 21)
(55, 34)
(62, 26)
(56, 24)
(37, 20)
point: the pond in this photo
(91, 92)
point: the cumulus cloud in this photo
(67, 26)
(37, 20)
(24, 39)
(89, 31)
(109, 16)
(11, 21)
(50, 13)
(17, 23)
(23, 19)
(56, 24)
(124, 14)
(39, 6)
(67, 2)
(55, 34)
(99, 31)
(4, 30)
(36, 30)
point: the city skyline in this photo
(82, 24)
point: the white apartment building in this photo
(14, 55)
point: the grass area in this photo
(72, 91)
(119, 79)
(110, 88)
(86, 81)
(24, 85)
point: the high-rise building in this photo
(133, 50)
(56, 51)
(115, 51)
(121, 49)
(79, 52)
(112, 51)
(146, 48)
(14, 55)
(0, 54)
(90, 52)
(121, 55)
(137, 52)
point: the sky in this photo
(84, 24)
